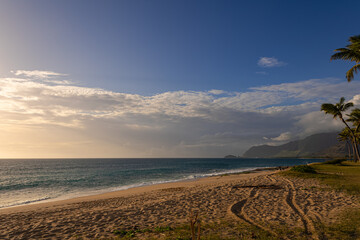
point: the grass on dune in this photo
(337, 174)
(342, 176)
(346, 228)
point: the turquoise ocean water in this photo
(26, 181)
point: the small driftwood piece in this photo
(193, 221)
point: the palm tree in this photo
(337, 112)
(352, 53)
(344, 136)
(354, 118)
(337, 109)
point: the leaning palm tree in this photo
(351, 53)
(337, 111)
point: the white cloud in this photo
(217, 92)
(269, 62)
(313, 89)
(43, 76)
(317, 122)
(355, 100)
(170, 124)
(37, 73)
(286, 136)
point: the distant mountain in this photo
(317, 145)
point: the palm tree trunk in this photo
(356, 148)
(348, 148)
(356, 153)
(353, 147)
(356, 141)
(356, 145)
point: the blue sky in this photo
(149, 47)
(146, 71)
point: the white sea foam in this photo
(24, 202)
(32, 181)
(81, 193)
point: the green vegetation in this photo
(125, 234)
(343, 177)
(338, 174)
(162, 229)
(335, 161)
(347, 228)
(303, 169)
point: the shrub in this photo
(335, 161)
(303, 169)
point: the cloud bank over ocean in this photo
(45, 114)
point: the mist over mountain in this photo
(317, 145)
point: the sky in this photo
(168, 78)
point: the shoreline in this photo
(134, 190)
(261, 200)
(89, 194)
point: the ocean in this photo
(27, 181)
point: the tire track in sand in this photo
(290, 199)
(237, 209)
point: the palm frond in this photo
(329, 108)
(354, 116)
(347, 106)
(344, 134)
(354, 39)
(350, 73)
(342, 100)
(350, 53)
(336, 109)
(346, 54)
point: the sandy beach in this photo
(262, 199)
